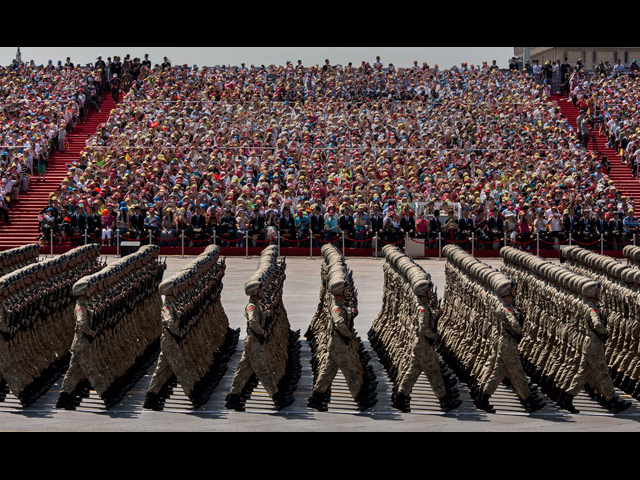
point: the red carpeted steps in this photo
(618, 172)
(24, 227)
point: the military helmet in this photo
(628, 275)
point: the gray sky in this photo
(445, 57)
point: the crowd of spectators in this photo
(262, 152)
(39, 105)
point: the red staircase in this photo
(24, 227)
(618, 172)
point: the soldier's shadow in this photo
(127, 409)
(293, 415)
(40, 409)
(207, 414)
(34, 413)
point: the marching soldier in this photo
(340, 357)
(254, 359)
(331, 335)
(73, 385)
(271, 349)
(423, 359)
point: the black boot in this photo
(474, 392)
(636, 392)
(402, 402)
(85, 392)
(449, 403)
(317, 402)
(483, 404)
(535, 376)
(153, 402)
(633, 384)
(565, 402)
(234, 402)
(450, 381)
(394, 393)
(66, 401)
(366, 400)
(533, 403)
(545, 384)
(453, 393)
(613, 374)
(624, 386)
(554, 393)
(282, 400)
(616, 405)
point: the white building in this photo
(590, 56)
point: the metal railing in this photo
(183, 242)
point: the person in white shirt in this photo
(540, 225)
(555, 226)
(537, 71)
(11, 188)
(618, 68)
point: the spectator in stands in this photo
(618, 68)
(115, 85)
(631, 227)
(615, 230)
(108, 222)
(346, 225)
(169, 228)
(4, 210)
(287, 228)
(331, 219)
(94, 224)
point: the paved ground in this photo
(301, 298)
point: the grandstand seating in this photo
(25, 214)
(24, 227)
(618, 172)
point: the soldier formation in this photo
(36, 317)
(118, 329)
(479, 330)
(564, 332)
(197, 341)
(333, 340)
(620, 306)
(16, 258)
(271, 352)
(532, 324)
(403, 334)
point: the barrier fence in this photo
(181, 243)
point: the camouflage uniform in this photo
(196, 339)
(332, 338)
(480, 329)
(403, 333)
(564, 351)
(36, 319)
(124, 326)
(271, 349)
